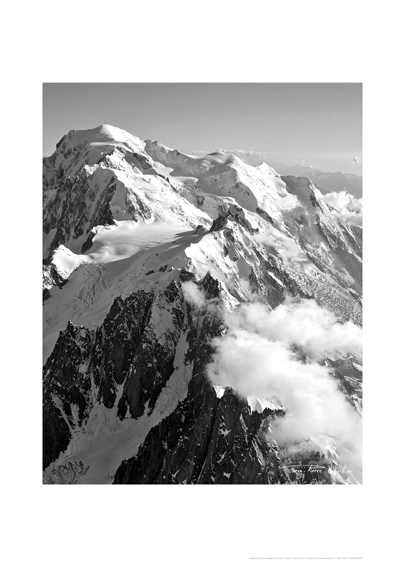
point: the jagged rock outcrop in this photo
(229, 445)
(66, 390)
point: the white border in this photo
(270, 41)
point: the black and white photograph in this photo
(202, 291)
(189, 300)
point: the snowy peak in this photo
(95, 211)
(104, 134)
(267, 168)
(104, 145)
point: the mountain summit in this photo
(201, 320)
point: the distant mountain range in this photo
(324, 181)
(328, 181)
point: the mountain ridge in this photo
(146, 253)
(324, 180)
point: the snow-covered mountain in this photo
(324, 181)
(328, 181)
(201, 320)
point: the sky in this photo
(315, 124)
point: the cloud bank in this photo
(303, 324)
(264, 355)
(345, 207)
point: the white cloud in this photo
(303, 324)
(343, 200)
(344, 206)
(256, 366)
(193, 294)
(285, 246)
(257, 357)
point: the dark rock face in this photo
(219, 223)
(205, 441)
(75, 202)
(117, 342)
(239, 452)
(153, 363)
(189, 445)
(65, 386)
(69, 211)
(175, 450)
(187, 429)
(86, 367)
(350, 379)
